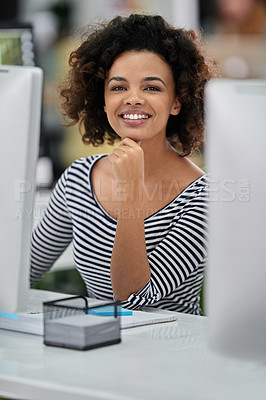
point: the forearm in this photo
(130, 269)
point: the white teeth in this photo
(134, 116)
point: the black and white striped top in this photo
(176, 241)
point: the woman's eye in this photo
(153, 89)
(117, 88)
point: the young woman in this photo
(137, 217)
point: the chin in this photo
(136, 138)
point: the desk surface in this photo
(157, 362)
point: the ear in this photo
(175, 109)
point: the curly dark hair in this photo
(83, 91)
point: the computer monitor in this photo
(16, 43)
(236, 274)
(20, 112)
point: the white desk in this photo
(169, 361)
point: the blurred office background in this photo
(43, 32)
(234, 30)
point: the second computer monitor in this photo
(236, 274)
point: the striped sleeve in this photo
(179, 255)
(53, 234)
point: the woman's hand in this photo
(128, 162)
(129, 268)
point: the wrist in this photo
(130, 192)
(130, 213)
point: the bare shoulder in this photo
(102, 179)
(101, 169)
(190, 170)
(185, 171)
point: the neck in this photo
(156, 155)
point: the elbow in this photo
(123, 292)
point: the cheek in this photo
(104, 103)
(108, 105)
(111, 107)
(109, 111)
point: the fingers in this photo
(127, 161)
(126, 146)
(130, 143)
(118, 152)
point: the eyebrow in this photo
(147, 79)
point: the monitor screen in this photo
(20, 112)
(16, 44)
(236, 274)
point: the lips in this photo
(134, 117)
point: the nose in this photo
(134, 98)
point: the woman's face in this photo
(140, 95)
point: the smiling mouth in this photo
(134, 116)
